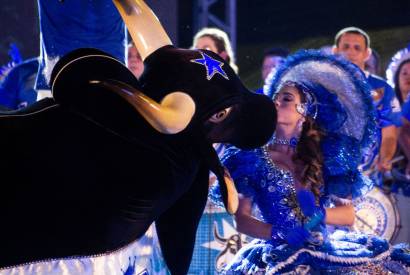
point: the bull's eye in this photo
(221, 115)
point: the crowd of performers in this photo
(340, 129)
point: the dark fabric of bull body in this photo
(75, 188)
(88, 175)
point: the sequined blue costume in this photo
(273, 194)
(341, 106)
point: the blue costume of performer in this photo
(69, 25)
(338, 90)
(273, 193)
(388, 113)
(387, 105)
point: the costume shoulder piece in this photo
(240, 164)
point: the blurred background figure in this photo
(217, 41)
(272, 58)
(134, 61)
(17, 87)
(372, 64)
(354, 44)
(17, 90)
(15, 58)
(398, 75)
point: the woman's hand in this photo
(307, 202)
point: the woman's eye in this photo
(221, 115)
(287, 98)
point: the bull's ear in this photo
(172, 115)
(229, 193)
(143, 26)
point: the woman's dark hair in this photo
(309, 154)
(396, 81)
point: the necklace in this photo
(292, 142)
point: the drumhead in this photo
(377, 214)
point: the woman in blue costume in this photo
(307, 175)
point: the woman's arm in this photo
(247, 224)
(387, 148)
(404, 141)
(340, 215)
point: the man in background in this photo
(354, 44)
(272, 58)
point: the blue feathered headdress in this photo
(343, 109)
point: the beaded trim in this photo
(292, 142)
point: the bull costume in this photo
(109, 155)
(338, 99)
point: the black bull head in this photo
(85, 173)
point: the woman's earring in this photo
(299, 126)
(301, 109)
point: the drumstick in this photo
(393, 161)
(396, 159)
(366, 224)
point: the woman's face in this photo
(135, 63)
(286, 101)
(206, 43)
(404, 80)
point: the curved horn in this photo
(171, 116)
(144, 27)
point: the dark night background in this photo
(260, 23)
(265, 20)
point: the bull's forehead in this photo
(205, 76)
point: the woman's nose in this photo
(277, 103)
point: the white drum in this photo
(377, 214)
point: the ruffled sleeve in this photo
(341, 175)
(240, 165)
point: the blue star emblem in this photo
(212, 66)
